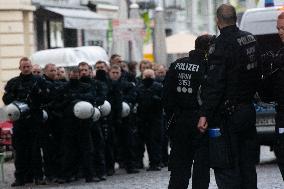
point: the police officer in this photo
(101, 88)
(70, 145)
(227, 104)
(272, 90)
(122, 91)
(100, 92)
(79, 138)
(149, 110)
(104, 122)
(180, 96)
(160, 73)
(25, 88)
(279, 87)
(51, 132)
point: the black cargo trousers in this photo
(25, 141)
(279, 147)
(241, 140)
(77, 146)
(188, 145)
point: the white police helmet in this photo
(17, 110)
(105, 109)
(125, 109)
(44, 115)
(96, 115)
(83, 110)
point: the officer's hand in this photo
(202, 124)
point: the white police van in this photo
(262, 23)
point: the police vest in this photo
(189, 76)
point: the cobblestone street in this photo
(268, 178)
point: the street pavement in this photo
(268, 178)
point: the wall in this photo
(16, 37)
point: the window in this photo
(56, 34)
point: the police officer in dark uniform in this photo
(273, 89)
(122, 91)
(101, 89)
(77, 133)
(104, 122)
(228, 104)
(160, 74)
(26, 88)
(180, 96)
(149, 112)
(51, 131)
(70, 145)
(279, 89)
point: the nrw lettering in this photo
(184, 76)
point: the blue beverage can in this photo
(214, 132)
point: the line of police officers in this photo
(208, 105)
(57, 133)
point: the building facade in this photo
(30, 25)
(69, 23)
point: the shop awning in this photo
(80, 18)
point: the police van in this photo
(262, 23)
